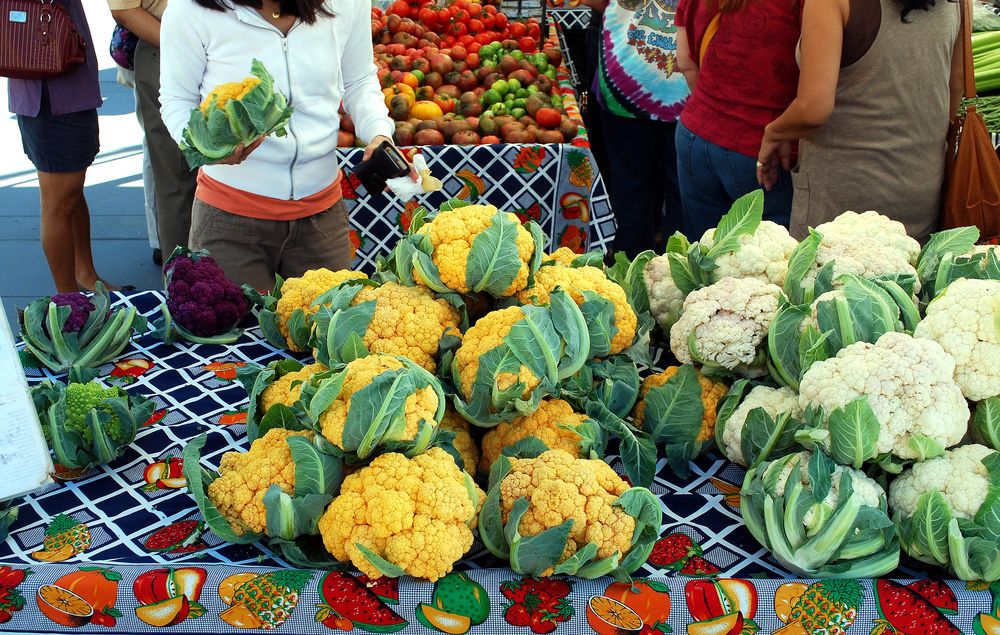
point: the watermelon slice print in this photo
(347, 603)
(532, 212)
(349, 186)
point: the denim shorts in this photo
(59, 143)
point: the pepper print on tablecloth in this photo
(406, 216)
(64, 538)
(357, 241)
(126, 371)
(457, 604)
(472, 185)
(85, 596)
(167, 597)
(529, 159)
(573, 237)
(224, 369)
(641, 607)
(264, 600)
(165, 474)
(348, 603)
(233, 418)
(179, 538)
(725, 605)
(540, 605)
(11, 600)
(532, 212)
(575, 206)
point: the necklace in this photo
(276, 14)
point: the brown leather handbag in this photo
(38, 40)
(972, 191)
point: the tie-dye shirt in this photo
(637, 72)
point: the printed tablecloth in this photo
(557, 185)
(139, 559)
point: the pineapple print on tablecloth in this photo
(581, 172)
(262, 601)
(827, 607)
(64, 538)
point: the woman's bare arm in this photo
(685, 61)
(140, 22)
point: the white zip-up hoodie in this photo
(315, 65)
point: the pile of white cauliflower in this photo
(908, 403)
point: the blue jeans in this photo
(712, 178)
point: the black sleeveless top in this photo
(861, 30)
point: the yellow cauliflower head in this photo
(466, 446)
(230, 90)
(487, 334)
(564, 256)
(287, 388)
(561, 487)
(554, 424)
(451, 233)
(301, 292)
(408, 321)
(416, 513)
(576, 281)
(244, 478)
(422, 405)
(711, 392)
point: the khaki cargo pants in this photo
(253, 250)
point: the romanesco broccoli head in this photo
(81, 399)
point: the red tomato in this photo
(474, 49)
(457, 29)
(491, 9)
(446, 104)
(453, 10)
(527, 44)
(462, 16)
(483, 39)
(400, 8)
(534, 30)
(476, 26)
(466, 40)
(449, 41)
(475, 9)
(427, 16)
(458, 52)
(443, 17)
(472, 60)
(548, 117)
(518, 30)
(501, 21)
(489, 140)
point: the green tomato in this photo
(499, 109)
(419, 75)
(521, 93)
(519, 103)
(542, 65)
(517, 54)
(491, 97)
(501, 86)
(514, 85)
(518, 112)
(551, 73)
(532, 89)
(490, 62)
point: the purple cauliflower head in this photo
(80, 309)
(201, 298)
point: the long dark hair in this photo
(306, 10)
(917, 5)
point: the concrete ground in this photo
(114, 193)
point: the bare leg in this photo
(86, 275)
(61, 195)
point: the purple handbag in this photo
(123, 44)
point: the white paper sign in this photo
(25, 462)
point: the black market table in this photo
(195, 393)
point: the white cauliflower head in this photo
(959, 475)
(868, 491)
(725, 323)
(762, 255)
(963, 320)
(665, 299)
(908, 384)
(891, 234)
(774, 401)
(867, 245)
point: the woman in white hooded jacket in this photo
(274, 207)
